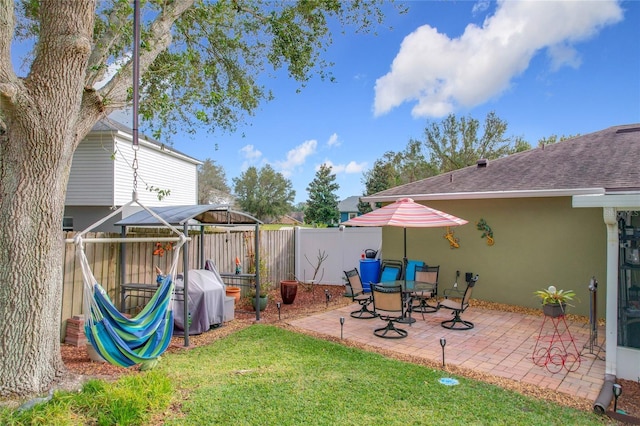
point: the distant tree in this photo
(322, 205)
(380, 177)
(264, 193)
(212, 184)
(299, 207)
(455, 143)
(555, 138)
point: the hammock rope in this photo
(117, 338)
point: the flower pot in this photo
(288, 291)
(554, 310)
(93, 354)
(262, 302)
(234, 292)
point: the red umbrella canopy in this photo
(408, 214)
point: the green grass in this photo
(264, 375)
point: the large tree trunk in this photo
(44, 118)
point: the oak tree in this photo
(201, 64)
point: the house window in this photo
(352, 215)
(67, 224)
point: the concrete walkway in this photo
(501, 344)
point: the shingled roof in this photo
(607, 161)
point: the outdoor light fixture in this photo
(341, 326)
(278, 306)
(443, 342)
(617, 391)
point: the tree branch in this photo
(156, 41)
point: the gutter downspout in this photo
(611, 332)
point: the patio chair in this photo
(357, 294)
(426, 287)
(389, 306)
(391, 270)
(458, 307)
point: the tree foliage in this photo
(212, 184)
(201, 65)
(264, 193)
(322, 205)
(455, 143)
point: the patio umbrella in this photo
(406, 213)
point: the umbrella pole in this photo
(404, 259)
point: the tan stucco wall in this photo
(538, 242)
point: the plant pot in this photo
(262, 302)
(554, 310)
(234, 292)
(93, 354)
(288, 291)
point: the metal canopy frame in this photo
(191, 216)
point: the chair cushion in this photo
(411, 269)
(389, 273)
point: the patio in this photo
(501, 344)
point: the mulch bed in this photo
(307, 302)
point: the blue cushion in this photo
(389, 273)
(411, 269)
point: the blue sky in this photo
(545, 67)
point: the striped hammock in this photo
(121, 340)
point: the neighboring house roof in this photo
(110, 125)
(601, 162)
(349, 204)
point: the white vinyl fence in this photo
(341, 248)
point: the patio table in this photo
(408, 287)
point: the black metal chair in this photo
(458, 307)
(426, 288)
(388, 304)
(357, 294)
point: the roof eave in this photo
(487, 195)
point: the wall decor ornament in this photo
(453, 241)
(486, 231)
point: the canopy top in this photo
(209, 214)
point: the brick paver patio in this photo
(500, 344)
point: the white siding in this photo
(91, 176)
(158, 167)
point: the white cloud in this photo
(480, 6)
(112, 69)
(250, 153)
(251, 156)
(349, 168)
(296, 157)
(440, 73)
(333, 140)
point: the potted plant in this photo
(554, 301)
(262, 300)
(265, 285)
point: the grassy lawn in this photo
(264, 375)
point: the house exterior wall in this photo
(538, 242)
(91, 178)
(157, 168)
(102, 176)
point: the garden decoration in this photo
(486, 231)
(555, 347)
(453, 241)
(554, 301)
(160, 249)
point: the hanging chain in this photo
(134, 166)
